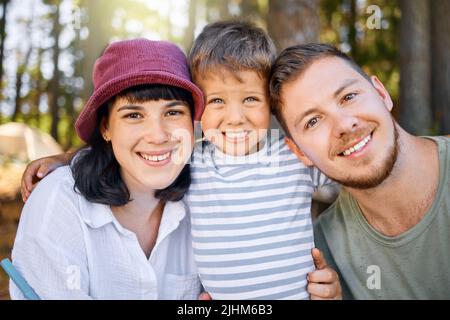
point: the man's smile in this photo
(356, 147)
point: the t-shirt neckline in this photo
(419, 228)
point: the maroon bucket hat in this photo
(129, 63)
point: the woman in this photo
(112, 226)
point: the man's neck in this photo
(403, 199)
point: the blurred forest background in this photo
(48, 48)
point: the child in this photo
(250, 197)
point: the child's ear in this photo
(296, 150)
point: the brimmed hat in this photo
(129, 63)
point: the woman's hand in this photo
(38, 169)
(323, 283)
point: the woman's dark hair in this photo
(95, 168)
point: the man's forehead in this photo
(323, 81)
(331, 69)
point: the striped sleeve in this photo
(319, 179)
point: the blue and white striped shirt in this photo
(251, 221)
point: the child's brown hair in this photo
(233, 45)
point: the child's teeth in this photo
(233, 135)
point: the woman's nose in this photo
(156, 132)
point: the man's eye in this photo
(311, 123)
(133, 115)
(250, 99)
(349, 97)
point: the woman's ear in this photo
(382, 92)
(296, 150)
(104, 130)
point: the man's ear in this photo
(296, 150)
(382, 92)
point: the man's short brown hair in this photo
(233, 45)
(292, 63)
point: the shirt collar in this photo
(98, 215)
(174, 212)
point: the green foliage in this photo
(375, 50)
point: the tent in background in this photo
(19, 142)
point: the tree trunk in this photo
(54, 83)
(190, 30)
(217, 10)
(440, 44)
(99, 35)
(293, 22)
(39, 88)
(224, 12)
(21, 69)
(70, 111)
(415, 67)
(2, 37)
(251, 10)
(352, 32)
(2, 46)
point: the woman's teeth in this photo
(357, 147)
(155, 158)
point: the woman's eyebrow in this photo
(138, 107)
(130, 107)
(176, 103)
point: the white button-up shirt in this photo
(69, 248)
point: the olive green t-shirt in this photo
(413, 265)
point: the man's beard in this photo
(376, 175)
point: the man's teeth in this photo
(155, 158)
(357, 147)
(236, 134)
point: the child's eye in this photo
(133, 115)
(311, 123)
(216, 101)
(349, 97)
(250, 99)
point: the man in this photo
(388, 233)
